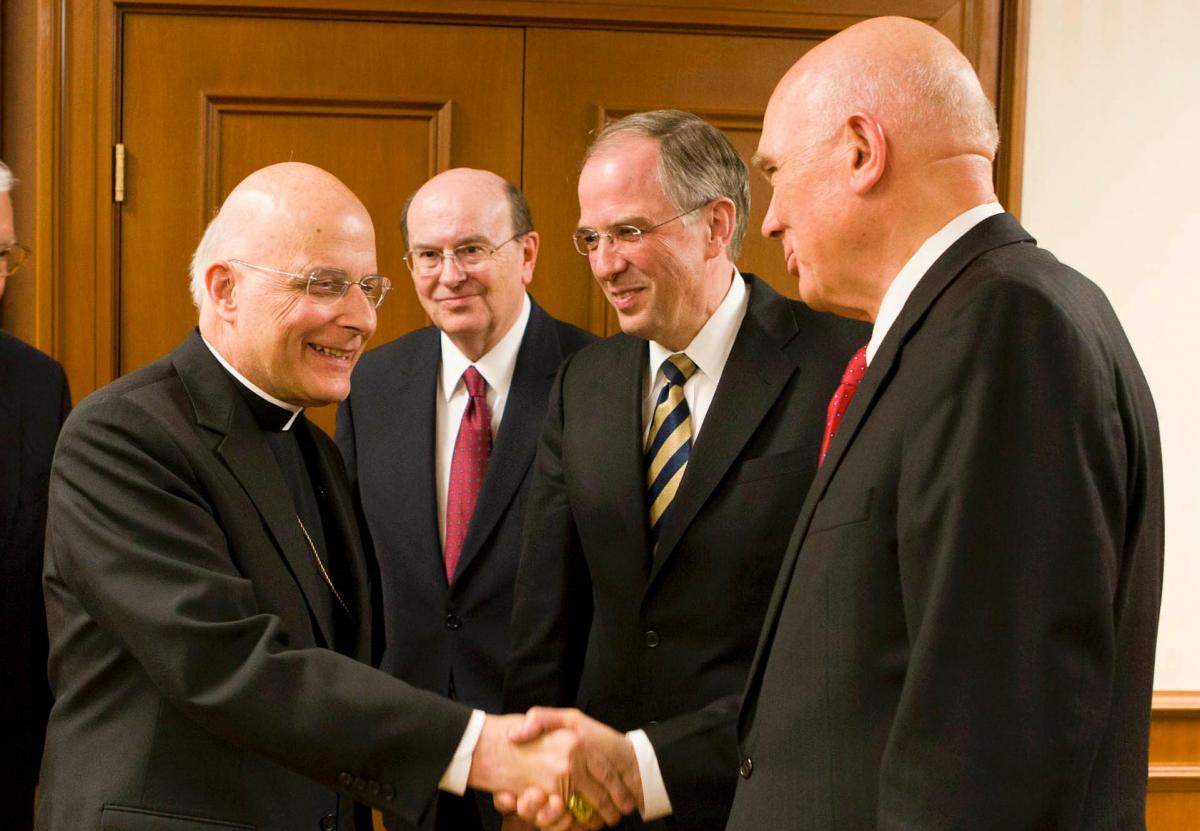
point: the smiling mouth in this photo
(339, 354)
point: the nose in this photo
(771, 227)
(606, 261)
(451, 273)
(357, 312)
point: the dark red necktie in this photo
(841, 399)
(471, 451)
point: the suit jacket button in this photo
(389, 793)
(746, 768)
(329, 823)
(360, 784)
(345, 779)
(373, 787)
(652, 638)
(453, 622)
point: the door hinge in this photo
(118, 172)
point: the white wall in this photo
(1112, 187)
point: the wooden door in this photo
(205, 100)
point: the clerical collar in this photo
(271, 414)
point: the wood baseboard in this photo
(1173, 782)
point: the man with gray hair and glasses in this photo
(208, 594)
(674, 460)
(34, 403)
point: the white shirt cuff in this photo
(654, 792)
(454, 780)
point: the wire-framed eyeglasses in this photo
(12, 255)
(587, 239)
(470, 256)
(326, 284)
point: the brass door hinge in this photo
(118, 172)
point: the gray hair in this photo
(202, 257)
(696, 163)
(518, 206)
(7, 180)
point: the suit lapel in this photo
(516, 442)
(342, 539)
(993, 232)
(245, 451)
(751, 382)
(10, 449)
(621, 465)
(408, 484)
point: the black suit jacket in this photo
(188, 644)
(34, 402)
(963, 631)
(387, 434)
(639, 641)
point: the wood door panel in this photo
(391, 105)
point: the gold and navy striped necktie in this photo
(670, 440)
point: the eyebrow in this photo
(468, 240)
(761, 162)
(635, 221)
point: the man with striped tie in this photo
(674, 460)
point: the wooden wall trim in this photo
(1014, 61)
(1175, 744)
(744, 17)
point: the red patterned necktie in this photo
(471, 451)
(841, 399)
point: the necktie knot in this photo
(476, 386)
(678, 369)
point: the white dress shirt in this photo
(497, 368)
(906, 279)
(709, 350)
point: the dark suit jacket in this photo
(963, 631)
(34, 401)
(642, 643)
(188, 647)
(387, 434)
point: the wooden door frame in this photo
(72, 62)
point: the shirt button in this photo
(360, 784)
(345, 778)
(389, 793)
(453, 622)
(329, 823)
(373, 787)
(746, 768)
(652, 638)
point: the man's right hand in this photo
(554, 762)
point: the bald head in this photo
(274, 213)
(909, 76)
(462, 180)
(872, 141)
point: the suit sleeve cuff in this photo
(654, 791)
(454, 780)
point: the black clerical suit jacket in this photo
(189, 650)
(34, 401)
(387, 431)
(962, 636)
(638, 640)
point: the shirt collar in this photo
(269, 411)
(711, 346)
(496, 367)
(918, 264)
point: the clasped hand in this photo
(561, 757)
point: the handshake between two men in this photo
(557, 769)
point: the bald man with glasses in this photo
(439, 436)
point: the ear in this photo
(720, 226)
(221, 289)
(864, 136)
(529, 252)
